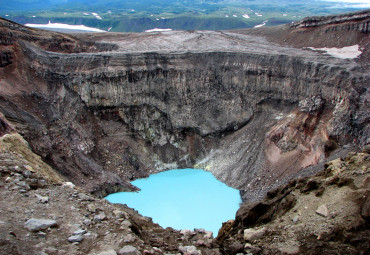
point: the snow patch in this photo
(349, 52)
(279, 116)
(96, 15)
(257, 14)
(246, 16)
(158, 30)
(65, 26)
(261, 25)
(235, 15)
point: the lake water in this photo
(183, 199)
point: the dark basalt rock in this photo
(253, 112)
(362, 17)
(365, 210)
(6, 58)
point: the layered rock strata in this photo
(361, 17)
(254, 113)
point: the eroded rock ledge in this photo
(362, 17)
(108, 108)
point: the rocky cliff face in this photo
(107, 108)
(307, 216)
(343, 21)
(103, 109)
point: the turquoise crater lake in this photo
(182, 199)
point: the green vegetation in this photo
(136, 16)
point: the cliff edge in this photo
(107, 108)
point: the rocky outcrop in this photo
(309, 215)
(335, 31)
(11, 33)
(73, 222)
(285, 222)
(5, 127)
(5, 59)
(362, 19)
(254, 113)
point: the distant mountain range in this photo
(138, 16)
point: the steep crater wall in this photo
(254, 119)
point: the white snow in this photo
(284, 14)
(235, 15)
(33, 16)
(65, 26)
(260, 25)
(86, 14)
(226, 16)
(279, 116)
(156, 19)
(257, 14)
(96, 15)
(349, 52)
(6, 15)
(158, 30)
(246, 16)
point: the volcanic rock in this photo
(253, 234)
(251, 110)
(322, 210)
(261, 109)
(128, 250)
(75, 238)
(42, 199)
(108, 252)
(189, 250)
(39, 224)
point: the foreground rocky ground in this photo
(325, 214)
(42, 214)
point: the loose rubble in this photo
(69, 221)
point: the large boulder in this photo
(129, 250)
(39, 224)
